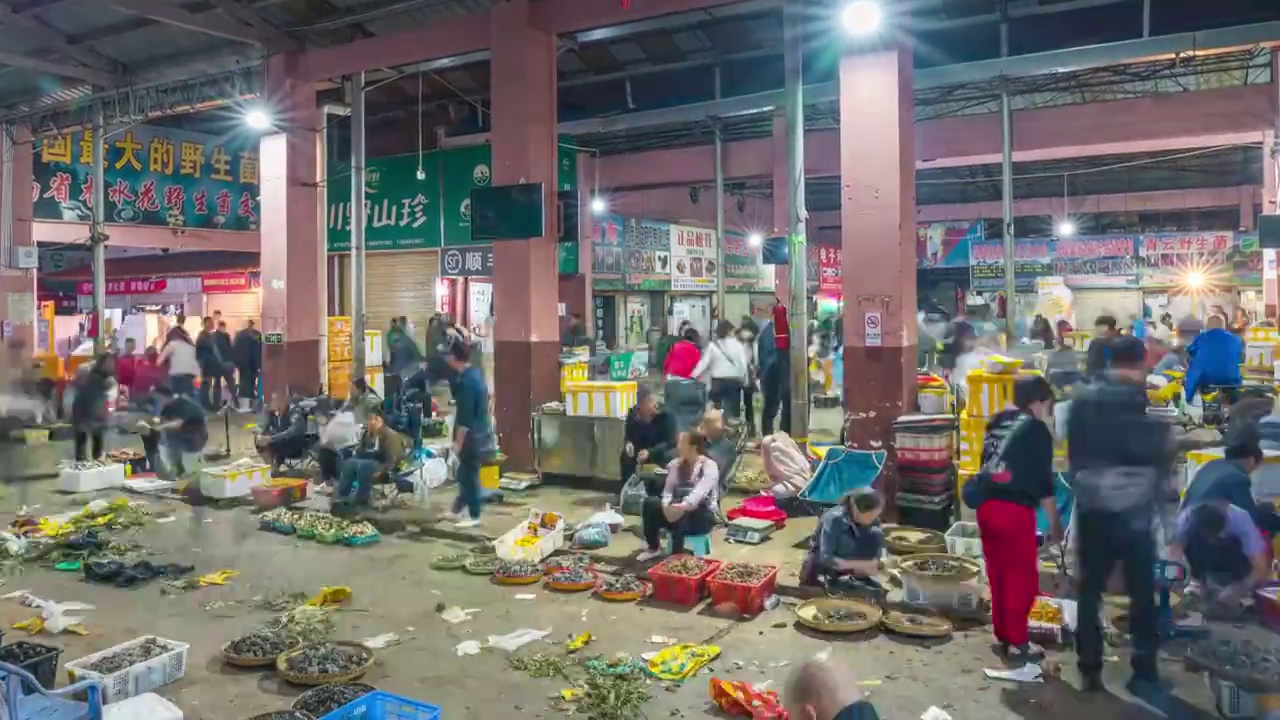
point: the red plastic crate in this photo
(679, 589)
(280, 491)
(749, 598)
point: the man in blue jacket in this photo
(1215, 358)
(775, 381)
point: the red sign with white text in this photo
(225, 283)
(126, 287)
(830, 270)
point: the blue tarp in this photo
(842, 471)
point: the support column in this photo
(17, 287)
(1271, 194)
(575, 289)
(293, 252)
(527, 347)
(781, 201)
(878, 209)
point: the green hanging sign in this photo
(567, 258)
(402, 212)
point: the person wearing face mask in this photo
(824, 691)
(1017, 476)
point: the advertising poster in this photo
(606, 253)
(1247, 260)
(647, 247)
(830, 273)
(742, 268)
(946, 244)
(154, 176)
(1032, 259)
(1106, 261)
(1167, 259)
(693, 259)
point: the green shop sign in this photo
(154, 176)
(406, 213)
(567, 257)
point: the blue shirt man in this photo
(1214, 358)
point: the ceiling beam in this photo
(74, 72)
(237, 10)
(207, 23)
(54, 40)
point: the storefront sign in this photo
(1167, 259)
(467, 262)
(153, 176)
(647, 248)
(1249, 263)
(225, 283)
(401, 212)
(1103, 261)
(1032, 259)
(567, 258)
(606, 253)
(743, 270)
(693, 259)
(126, 287)
(830, 270)
(946, 244)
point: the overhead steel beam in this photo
(75, 72)
(1030, 65)
(54, 40)
(236, 10)
(205, 23)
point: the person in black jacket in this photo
(89, 406)
(285, 434)
(1119, 460)
(211, 365)
(222, 339)
(247, 354)
(650, 435)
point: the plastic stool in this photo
(699, 545)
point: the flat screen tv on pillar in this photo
(508, 212)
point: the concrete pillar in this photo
(293, 251)
(878, 209)
(527, 344)
(781, 201)
(18, 287)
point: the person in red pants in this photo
(1017, 476)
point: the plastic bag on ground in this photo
(608, 516)
(592, 536)
(515, 640)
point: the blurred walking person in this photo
(1119, 457)
(247, 354)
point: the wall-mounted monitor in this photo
(508, 212)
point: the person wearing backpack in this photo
(725, 360)
(1016, 477)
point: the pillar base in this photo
(529, 374)
(879, 387)
(291, 369)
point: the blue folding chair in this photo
(41, 704)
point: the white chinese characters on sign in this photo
(693, 259)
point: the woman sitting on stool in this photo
(844, 553)
(691, 493)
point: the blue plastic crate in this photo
(381, 705)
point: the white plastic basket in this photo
(963, 539)
(135, 679)
(1232, 702)
(550, 540)
(101, 478)
(941, 595)
(216, 482)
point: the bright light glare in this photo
(257, 119)
(598, 205)
(862, 17)
(1066, 228)
(1195, 280)
(755, 240)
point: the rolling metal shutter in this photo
(237, 308)
(399, 283)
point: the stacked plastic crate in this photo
(925, 448)
(987, 393)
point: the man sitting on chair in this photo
(285, 435)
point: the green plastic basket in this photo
(359, 540)
(330, 538)
(306, 533)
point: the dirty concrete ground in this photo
(396, 591)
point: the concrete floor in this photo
(395, 591)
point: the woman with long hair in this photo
(1016, 478)
(725, 360)
(689, 498)
(180, 360)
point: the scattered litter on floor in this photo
(378, 642)
(662, 640)
(1029, 673)
(454, 614)
(513, 641)
(935, 713)
(467, 647)
(526, 596)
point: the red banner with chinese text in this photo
(219, 283)
(830, 270)
(126, 287)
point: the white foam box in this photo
(101, 478)
(217, 482)
(147, 706)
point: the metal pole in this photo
(355, 98)
(719, 208)
(1006, 197)
(1146, 18)
(793, 49)
(98, 231)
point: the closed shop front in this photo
(1121, 304)
(399, 284)
(236, 295)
